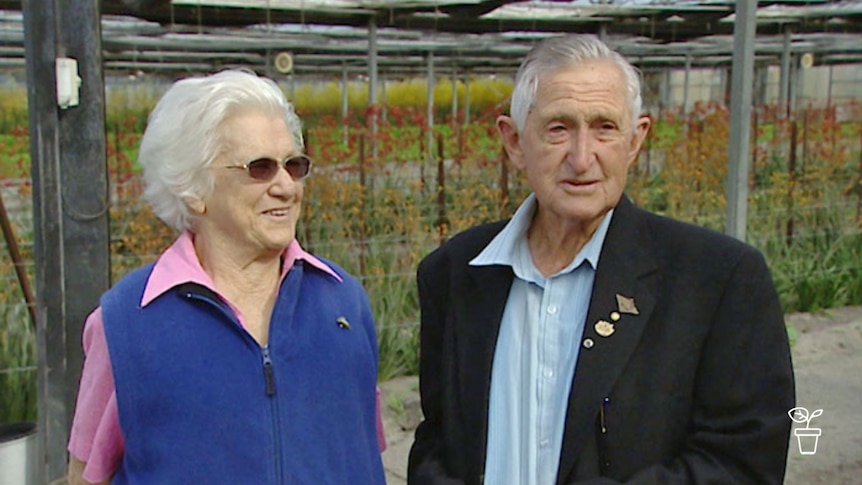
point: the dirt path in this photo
(828, 366)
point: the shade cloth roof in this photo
(479, 36)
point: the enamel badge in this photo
(604, 328)
(627, 305)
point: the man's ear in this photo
(510, 137)
(639, 134)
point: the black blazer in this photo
(694, 388)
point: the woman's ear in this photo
(196, 204)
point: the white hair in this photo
(183, 136)
(562, 51)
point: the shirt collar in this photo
(509, 245)
(179, 264)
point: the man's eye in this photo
(557, 133)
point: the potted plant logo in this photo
(806, 437)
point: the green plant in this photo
(372, 203)
(18, 376)
(395, 402)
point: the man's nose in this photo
(580, 155)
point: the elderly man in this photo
(586, 341)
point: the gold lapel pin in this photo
(604, 328)
(343, 323)
(627, 305)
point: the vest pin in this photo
(343, 323)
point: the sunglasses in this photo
(265, 169)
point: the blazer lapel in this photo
(621, 304)
(485, 294)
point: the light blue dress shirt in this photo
(536, 353)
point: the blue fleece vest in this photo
(200, 402)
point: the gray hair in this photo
(568, 50)
(183, 136)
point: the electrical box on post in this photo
(68, 82)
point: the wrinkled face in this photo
(243, 215)
(577, 144)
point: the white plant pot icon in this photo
(807, 439)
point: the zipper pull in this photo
(268, 372)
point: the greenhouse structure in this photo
(757, 132)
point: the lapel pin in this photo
(615, 316)
(604, 328)
(627, 305)
(343, 323)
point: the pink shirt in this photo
(95, 437)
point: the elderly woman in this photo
(237, 357)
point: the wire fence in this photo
(378, 215)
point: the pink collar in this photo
(179, 264)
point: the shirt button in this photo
(552, 309)
(549, 373)
(543, 443)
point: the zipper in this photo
(268, 372)
(269, 380)
(268, 375)
(216, 302)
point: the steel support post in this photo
(742, 77)
(70, 206)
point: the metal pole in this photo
(344, 103)
(686, 82)
(430, 112)
(466, 98)
(784, 86)
(70, 206)
(665, 90)
(740, 117)
(372, 84)
(454, 95)
(268, 72)
(384, 115)
(760, 84)
(799, 92)
(40, 46)
(18, 262)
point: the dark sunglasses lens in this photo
(263, 169)
(298, 167)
